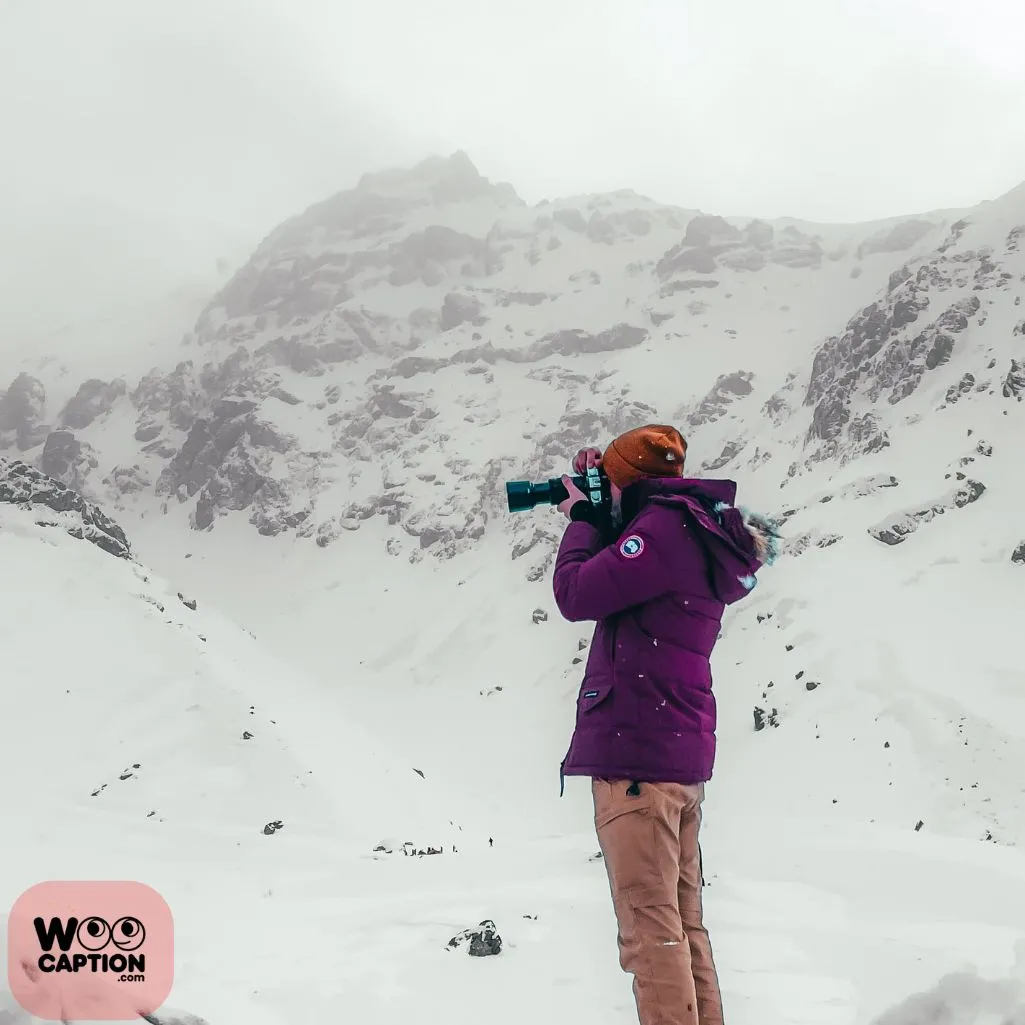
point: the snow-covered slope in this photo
(325, 462)
(147, 737)
(172, 739)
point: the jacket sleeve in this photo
(592, 582)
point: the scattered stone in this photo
(166, 1017)
(483, 941)
(284, 396)
(539, 616)
(1014, 383)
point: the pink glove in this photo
(585, 459)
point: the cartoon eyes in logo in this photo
(93, 933)
(128, 933)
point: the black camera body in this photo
(522, 494)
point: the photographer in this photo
(655, 572)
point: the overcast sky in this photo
(141, 138)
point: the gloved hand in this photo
(585, 459)
(575, 495)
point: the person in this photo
(655, 574)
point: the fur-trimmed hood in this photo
(738, 542)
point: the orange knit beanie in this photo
(652, 451)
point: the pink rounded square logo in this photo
(90, 951)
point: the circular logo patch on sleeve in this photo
(631, 547)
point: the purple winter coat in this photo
(646, 710)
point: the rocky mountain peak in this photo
(22, 412)
(395, 350)
(435, 182)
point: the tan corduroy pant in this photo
(648, 833)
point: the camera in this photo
(522, 494)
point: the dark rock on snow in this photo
(93, 399)
(763, 718)
(484, 941)
(896, 528)
(22, 408)
(55, 504)
(67, 459)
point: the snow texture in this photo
(327, 723)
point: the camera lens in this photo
(520, 495)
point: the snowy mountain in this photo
(322, 456)
(431, 308)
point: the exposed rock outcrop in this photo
(1014, 383)
(458, 309)
(227, 463)
(896, 528)
(94, 398)
(52, 503)
(67, 459)
(882, 352)
(22, 412)
(726, 390)
(897, 239)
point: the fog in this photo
(145, 139)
